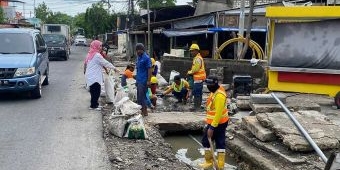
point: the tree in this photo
(43, 12)
(2, 16)
(79, 22)
(156, 3)
(97, 20)
(59, 18)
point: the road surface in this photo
(57, 131)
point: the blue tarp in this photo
(221, 29)
(189, 32)
(202, 21)
(177, 33)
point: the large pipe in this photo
(302, 130)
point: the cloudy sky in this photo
(73, 7)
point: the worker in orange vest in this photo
(216, 121)
(199, 75)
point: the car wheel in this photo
(36, 92)
(66, 57)
(45, 82)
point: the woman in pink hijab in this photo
(94, 63)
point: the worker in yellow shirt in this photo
(154, 67)
(217, 122)
(152, 91)
(199, 75)
(180, 89)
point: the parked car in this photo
(80, 41)
(57, 46)
(24, 63)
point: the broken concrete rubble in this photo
(262, 133)
(292, 104)
(266, 98)
(274, 147)
(325, 133)
(265, 155)
(243, 102)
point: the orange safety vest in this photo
(200, 75)
(211, 108)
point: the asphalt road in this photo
(57, 131)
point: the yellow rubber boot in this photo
(220, 160)
(208, 159)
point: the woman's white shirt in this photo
(94, 69)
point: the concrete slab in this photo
(293, 104)
(274, 148)
(243, 104)
(253, 155)
(254, 126)
(268, 108)
(266, 98)
(243, 97)
(177, 121)
(325, 133)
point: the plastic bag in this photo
(117, 125)
(172, 75)
(133, 94)
(109, 89)
(136, 128)
(130, 82)
(161, 80)
(126, 107)
(160, 102)
(120, 94)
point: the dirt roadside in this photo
(153, 153)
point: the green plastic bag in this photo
(136, 131)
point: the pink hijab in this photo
(95, 47)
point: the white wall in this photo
(122, 43)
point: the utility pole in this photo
(241, 28)
(132, 13)
(108, 6)
(149, 36)
(34, 8)
(127, 19)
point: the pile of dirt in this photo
(152, 153)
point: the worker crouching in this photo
(180, 89)
(217, 122)
(151, 94)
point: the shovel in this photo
(213, 153)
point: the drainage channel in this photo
(186, 144)
(188, 149)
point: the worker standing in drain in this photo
(216, 123)
(199, 75)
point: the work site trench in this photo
(173, 141)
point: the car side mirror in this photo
(41, 49)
